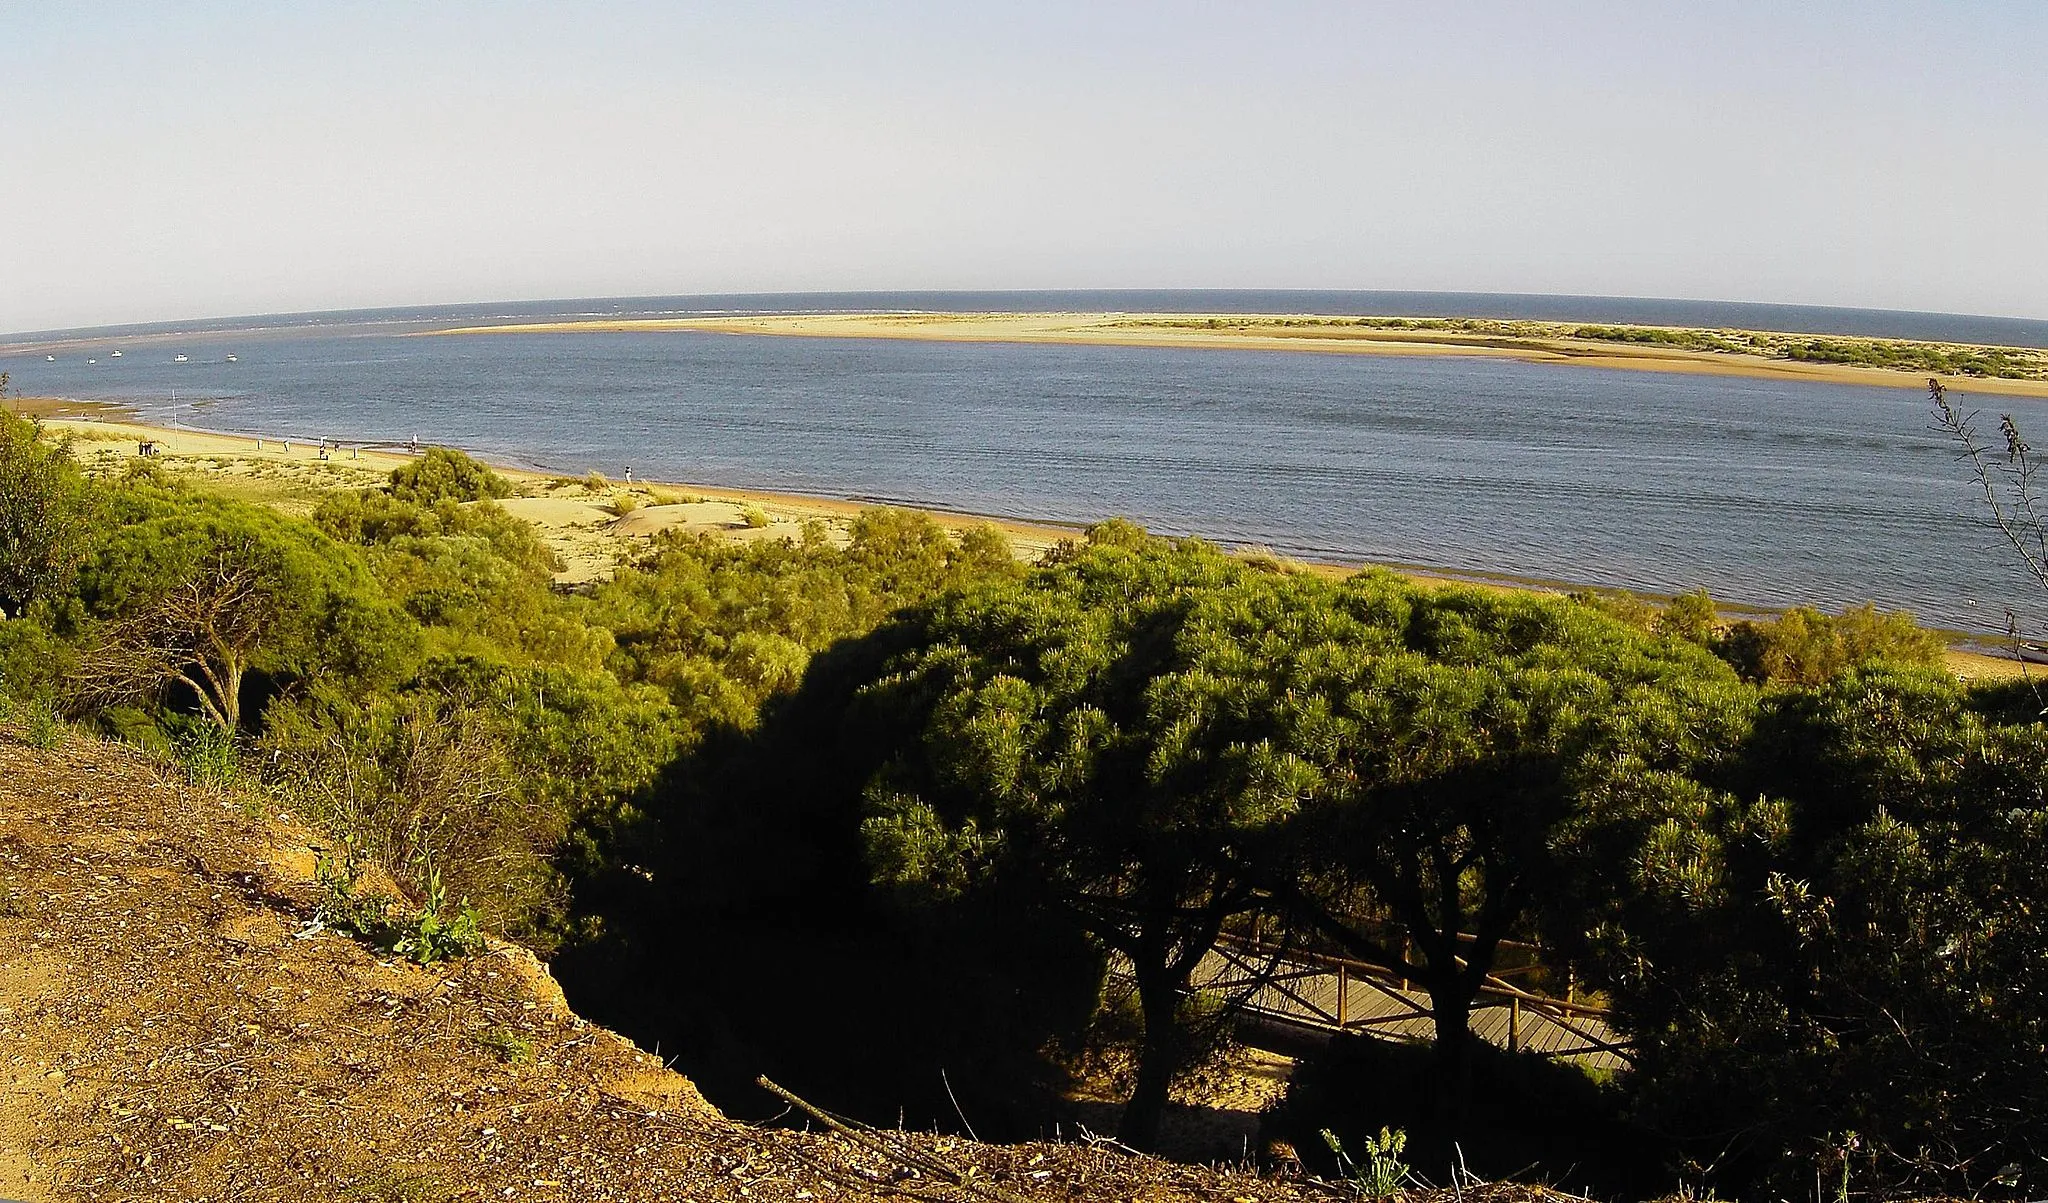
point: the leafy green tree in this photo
(725, 626)
(1063, 757)
(1456, 740)
(373, 517)
(198, 594)
(1838, 967)
(476, 577)
(46, 515)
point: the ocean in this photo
(1765, 492)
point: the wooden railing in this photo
(1310, 989)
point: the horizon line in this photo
(163, 325)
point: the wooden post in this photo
(1407, 950)
(1343, 994)
(1571, 981)
(1514, 1023)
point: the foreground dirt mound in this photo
(174, 1026)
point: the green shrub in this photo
(428, 935)
(1690, 616)
(507, 1045)
(444, 474)
(208, 754)
(1620, 605)
(41, 725)
(1383, 1173)
(1806, 647)
(138, 727)
(34, 661)
(46, 515)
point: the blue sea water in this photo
(1765, 492)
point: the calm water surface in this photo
(1762, 491)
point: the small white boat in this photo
(117, 355)
(49, 359)
(92, 361)
(234, 359)
(177, 359)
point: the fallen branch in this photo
(874, 1142)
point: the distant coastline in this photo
(1633, 348)
(1665, 312)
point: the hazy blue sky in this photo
(191, 159)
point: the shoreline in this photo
(104, 418)
(1286, 332)
(720, 509)
(93, 422)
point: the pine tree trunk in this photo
(1158, 1000)
(1451, 1007)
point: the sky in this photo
(192, 159)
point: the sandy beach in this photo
(1550, 344)
(588, 520)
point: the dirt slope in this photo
(169, 1029)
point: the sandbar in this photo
(1534, 342)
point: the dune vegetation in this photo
(1891, 354)
(880, 815)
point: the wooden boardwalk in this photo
(1331, 995)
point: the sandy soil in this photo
(1213, 1117)
(1257, 332)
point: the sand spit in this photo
(1272, 332)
